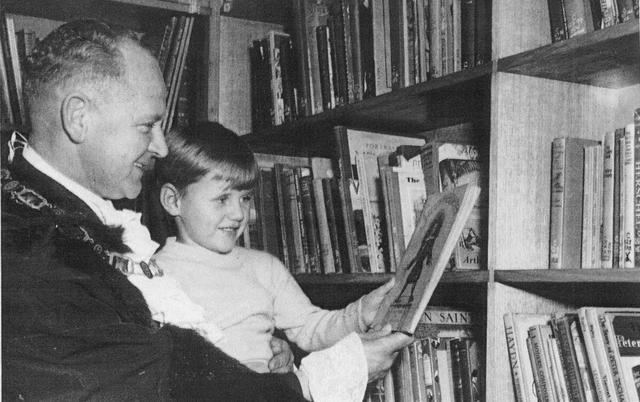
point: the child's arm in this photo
(309, 326)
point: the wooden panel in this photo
(527, 113)
(608, 58)
(235, 75)
(519, 25)
(503, 299)
(568, 276)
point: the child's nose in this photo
(235, 211)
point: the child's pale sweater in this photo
(249, 293)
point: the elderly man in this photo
(73, 325)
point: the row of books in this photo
(171, 49)
(172, 53)
(590, 355)
(595, 203)
(343, 51)
(15, 46)
(441, 365)
(569, 18)
(356, 211)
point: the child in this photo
(208, 179)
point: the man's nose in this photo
(158, 146)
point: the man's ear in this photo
(170, 199)
(75, 115)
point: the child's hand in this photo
(371, 302)
(381, 348)
(282, 360)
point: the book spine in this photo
(483, 31)
(276, 79)
(613, 359)
(300, 45)
(557, 20)
(301, 223)
(322, 38)
(629, 197)
(595, 352)
(285, 241)
(635, 129)
(606, 253)
(596, 228)
(559, 382)
(607, 9)
(336, 226)
(468, 33)
(578, 17)
(515, 360)
(435, 54)
(562, 333)
(326, 252)
(294, 222)
(417, 372)
(618, 198)
(344, 179)
(381, 49)
(588, 200)
(558, 148)
(582, 362)
(310, 220)
(539, 363)
(626, 10)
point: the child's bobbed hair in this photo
(206, 147)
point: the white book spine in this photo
(629, 233)
(606, 252)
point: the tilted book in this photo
(423, 262)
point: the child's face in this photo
(213, 215)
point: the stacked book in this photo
(595, 200)
(590, 355)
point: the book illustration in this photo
(423, 262)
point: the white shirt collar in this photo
(98, 205)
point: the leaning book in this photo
(425, 258)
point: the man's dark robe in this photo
(75, 328)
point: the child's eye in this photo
(247, 198)
(146, 128)
(222, 199)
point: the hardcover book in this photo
(441, 223)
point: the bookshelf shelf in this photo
(441, 102)
(470, 277)
(134, 14)
(604, 58)
(568, 276)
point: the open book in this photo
(425, 258)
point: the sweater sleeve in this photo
(309, 326)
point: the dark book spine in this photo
(266, 204)
(335, 223)
(365, 15)
(310, 221)
(288, 78)
(468, 33)
(626, 10)
(557, 20)
(483, 31)
(284, 239)
(396, 38)
(412, 38)
(336, 38)
(345, 13)
(260, 118)
(322, 38)
(298, 219)
(456, 370)
(354, 27)
(303, 95)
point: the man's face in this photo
(124, 135)
(213, 215)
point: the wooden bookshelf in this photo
(532, 92)
(601, 58)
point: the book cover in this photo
(423, 263)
